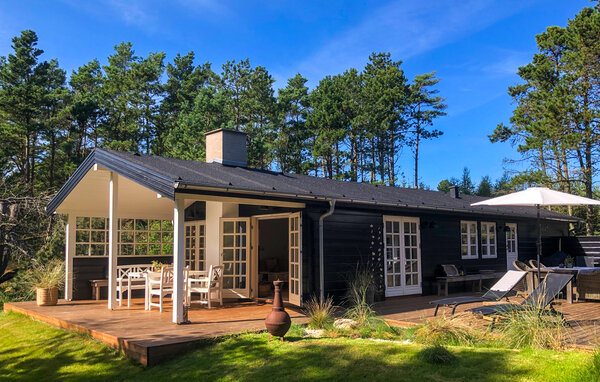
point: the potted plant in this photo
(157, 265)
(569, 261)
(45, 279)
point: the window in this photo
(145, 237)
(468, 239)
(91, 236)
(488, 240)
(137, 237)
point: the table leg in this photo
(570, 292)
(446, 288)
(97, 292)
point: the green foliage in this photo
(50, 274)
(554, 124)
(36, 351)
(320, 313)
(437, 355)
(359, 307)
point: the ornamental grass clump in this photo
(532, 327)
(446, 331)
(358, 298)
(320, 313)
(46, 276)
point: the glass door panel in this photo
(295, 259)
(235, 248)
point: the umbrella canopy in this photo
(538, 196)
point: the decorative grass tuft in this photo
(446, 331)
(320, 313)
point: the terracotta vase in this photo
(278, 321)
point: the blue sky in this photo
(475, 46)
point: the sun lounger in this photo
(496, 293)
(540, 298)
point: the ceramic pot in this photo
(46, 296)
(278, 321)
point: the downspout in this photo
(321, 251)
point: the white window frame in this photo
(489, 227)
(85, 232)
(469, 244)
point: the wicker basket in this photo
(46, 296)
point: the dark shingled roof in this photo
(155, 172)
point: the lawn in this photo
(30, 350)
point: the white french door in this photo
(402, 270)
(235, 250)
(295, 258)
(195, 244)
(512, 245)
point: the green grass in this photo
(30, 350)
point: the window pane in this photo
(99, 223)
(83, 222)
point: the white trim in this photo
(401, 289)
(235, 292)
(469, 233)
(69, 254)
(113, 233)
(509, 261)
(487, 244)
(178, 259)
(295, 298)
(238, 200)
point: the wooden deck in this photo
(150, 337)
(583, 317)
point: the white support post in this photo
(69, 253)
(178, 259)
(112, 239)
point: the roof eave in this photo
(134, 172)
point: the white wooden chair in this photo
(158, 284)
(209, 286)
(130, 277)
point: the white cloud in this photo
(146, 14)
(406, 28)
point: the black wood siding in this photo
(353, 237)
(96, 268)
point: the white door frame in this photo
(254, 247)
(511, 256)
(295, 258)
(195, 245)
(237, 250)
(255, 220)
(399, 251)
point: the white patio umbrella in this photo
(538, 196)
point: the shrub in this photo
(437, 355)
(48, 275)
(447, 331)
(320, 313)
(532, 327)
(357, 298)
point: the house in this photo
(125, 208)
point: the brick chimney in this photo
(454, 192)
(226, 147)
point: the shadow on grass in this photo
(31, 351)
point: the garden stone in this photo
(344, 323)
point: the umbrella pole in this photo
(539, 243)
